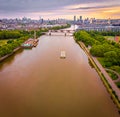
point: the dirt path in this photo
(118, 79)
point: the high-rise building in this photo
(74, 18)
(41, 20)
(80, 17)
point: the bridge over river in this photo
(62, 32)
(37, 83)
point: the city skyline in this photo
(60, 9)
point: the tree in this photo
(97, 50)
(84, 37)
(112, 57)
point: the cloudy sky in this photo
(52, 9)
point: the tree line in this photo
(11, 45)
(9, 34)
(108, 52)
(15, 38)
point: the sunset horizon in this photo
(56, 9)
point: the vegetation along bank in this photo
(12, 40)
(106, 51)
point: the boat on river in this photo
(62, 54)
(28, 44)
(35, 43)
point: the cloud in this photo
(15, 8)
(40, 5)
(33, 5)
(94, 7)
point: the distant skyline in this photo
(52, 9)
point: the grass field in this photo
(3, 42)
(112, 75)
(115, 68)
(110, 38)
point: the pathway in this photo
(112, 84)
(118, 79)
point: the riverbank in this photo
(115, 95)
(8, 55)
(8, 48)
(33, 82)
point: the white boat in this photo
(62, 54)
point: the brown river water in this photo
(37, 83)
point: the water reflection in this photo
(90, 63)
(8, 61)
(37, 83)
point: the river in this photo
(37, 83)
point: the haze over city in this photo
(52, 9)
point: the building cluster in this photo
(83, 24)
(29, 24)
(97, 24)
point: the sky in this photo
(53, 9)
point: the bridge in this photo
(62, 32)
